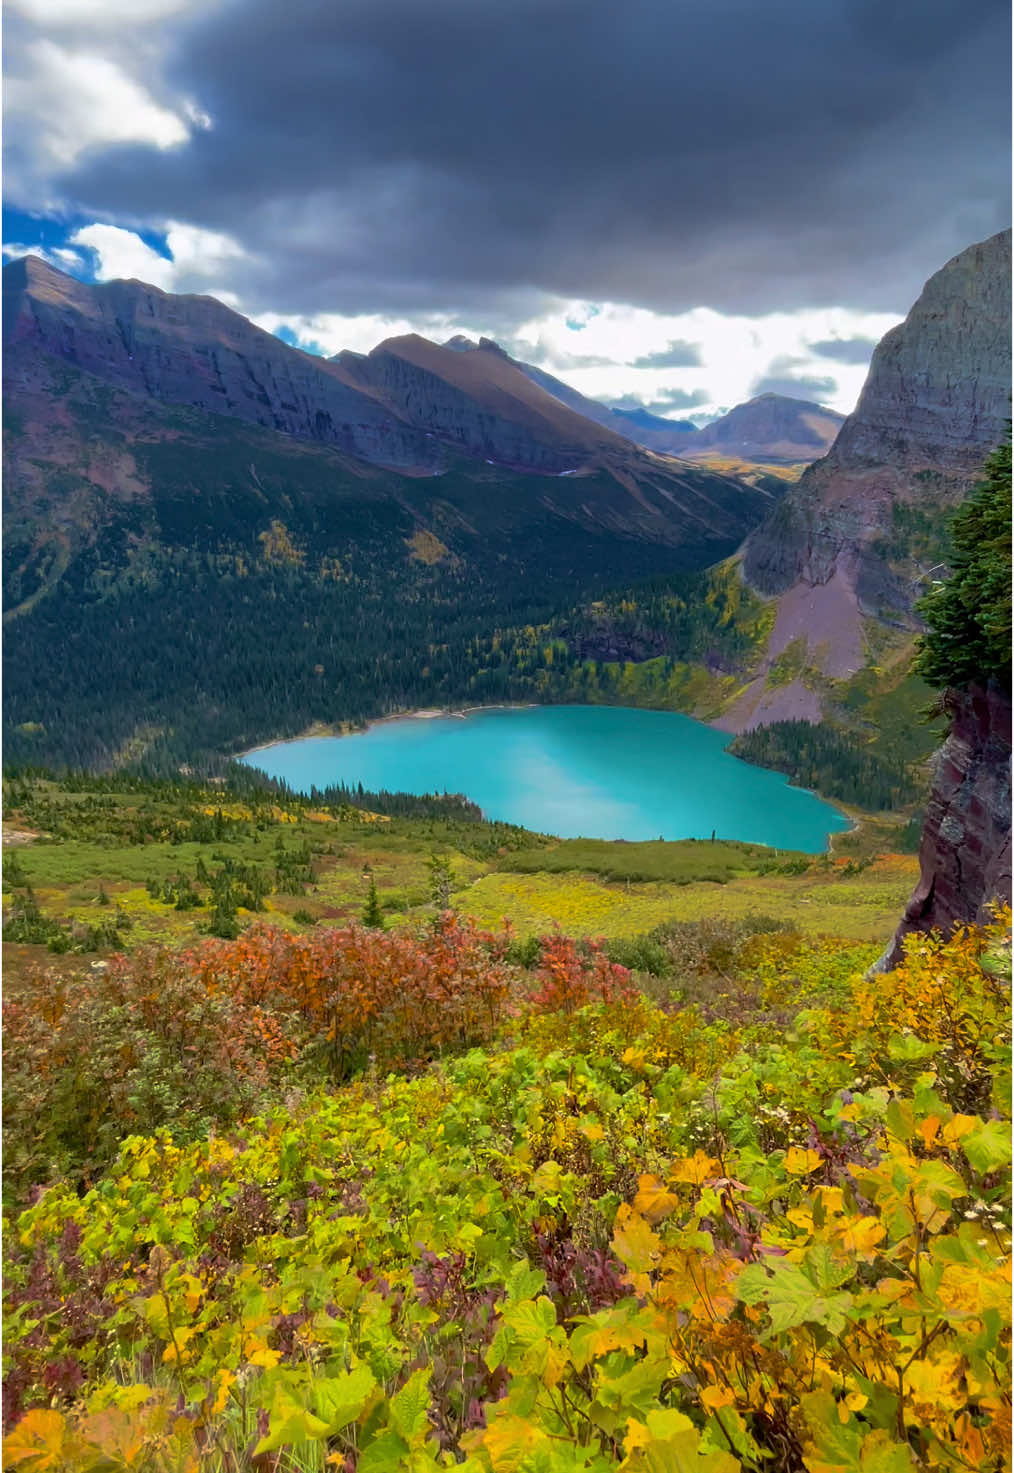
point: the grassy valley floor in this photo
(87, 868)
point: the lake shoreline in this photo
(851, 821)
(343, 729)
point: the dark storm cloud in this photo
(388, 155)
(677, 355)
(845, 350)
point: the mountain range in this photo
(164, 456)
(245, 538)
(771, 429)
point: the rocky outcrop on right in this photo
(935, 402)
(862, 534)
(965, 854)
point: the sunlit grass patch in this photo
(865, 908)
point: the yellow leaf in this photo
(37, 1442)
(966, 1290)
(958, 1127)
(634, 1241)
(861, 1235)
(508, 1441)
(935, 1383)
(653, 1202)
(262, 1355)
(799, 1162)
(715, 1397)
(226, 1380)
(696, 1169)
(929, 1128)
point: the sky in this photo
(675, 203)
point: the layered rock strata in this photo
(936, 401)
(965, 855)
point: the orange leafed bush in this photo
(569, 980)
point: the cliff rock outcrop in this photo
(861, 533)
(935, 402)
(965, 855)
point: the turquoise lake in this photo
(602, 772)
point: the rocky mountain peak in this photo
(939, 384)
(936, 400)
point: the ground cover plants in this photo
(436, 1191)
(612, 1235)
(108, 863)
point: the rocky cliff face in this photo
(194, 351)
(935, 403)
(965, 855)
(861, 533)
(480, 402)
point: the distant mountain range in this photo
(164, 456)
(212, 538)
(771, 429)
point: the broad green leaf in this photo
(408, 1408)
(791, 1297)
(384, 1453)
(989, 1147)
(340, 1400)
(623, 1389)
(530, 1320)
(668, 1442)
(823, 1270)
(290, 1422)
(908, 1048)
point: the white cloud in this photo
(735, 351)
(77, 100)
(63, 260)
(98, 13)
(200, 259)
(121, 253)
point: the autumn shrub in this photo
(634, 1240)
(196, 1038)
(123, 1050)
(395, 998)
(943, 1004)
(569, 977)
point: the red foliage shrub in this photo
(571, 977)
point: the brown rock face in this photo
(936, 401)
(771, 427)
(965, 856)
(195, 352)
(480, 402)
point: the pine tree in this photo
(373, 916)
(968, 636)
